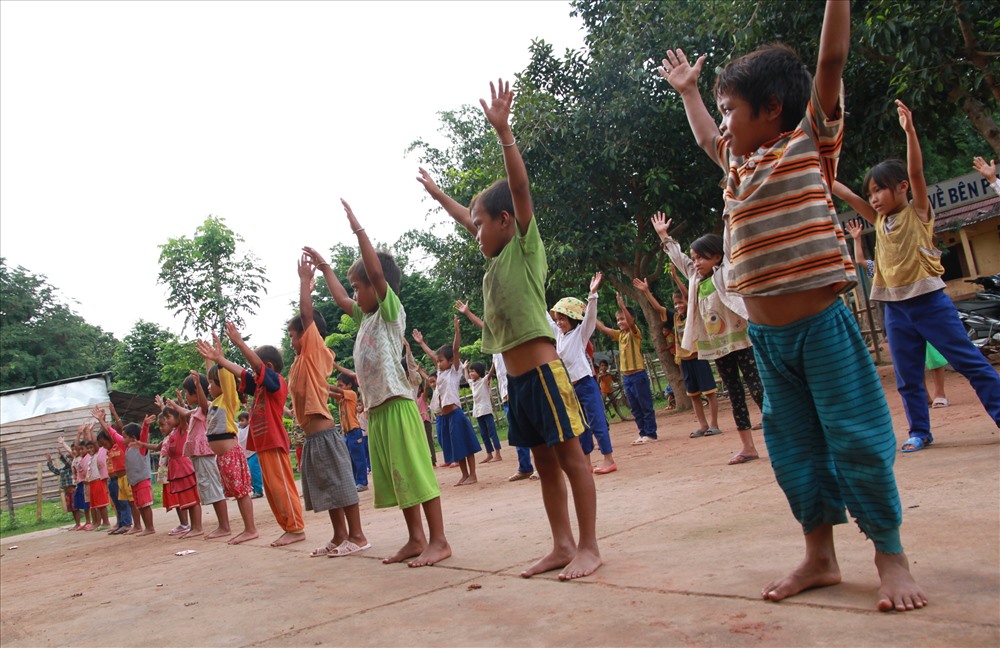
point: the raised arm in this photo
(627, 316)
(306, 269)
(233, 333)
(834, 44)
(200, 393)
(498, 114)
(418, 337)
(589, 322)
(213, 354)
(683, 77)
(463, 308)
(679, 282)
(455, 209)
(914, 163)
(856, 202)
(854, 227)
(456, 361)
(988, 171)
(373, 267)
(337, 290)
(642, 285)
(661, 225)
(344, 370)
(607, 330)
(62, 442)
(115, 417)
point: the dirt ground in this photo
(688, 542)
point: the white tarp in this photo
(57, 398)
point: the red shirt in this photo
(267, 427)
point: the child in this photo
(637, 387)
(325, 466)
(66, 485)
(242, 432)
(198, 449)
(697, 373)
(347, 402)
(482, 407)
(716, 327)
(362, 413)
(401, 470)
(80, 502)
(829, 425)
(119, 489)
(573, 323)
(137, 471)
(545, 414)
(220, 426)
(97, 481)
(524, 468)
(456, 433)
(181, 472)
(267, 437)
(933, 360)
(908, 282)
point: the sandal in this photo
(347, 548)
(518, 476)
(712, 431)
(939, 402)
(915, 444)
(697, 433)
(740, 458)
(325, 550)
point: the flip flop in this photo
(740, 458)
(698, 433)
(325, 550)
(915, 444)
(347, 548)
(518, 476)
(712, 431)
(604, 470)
(939, 402)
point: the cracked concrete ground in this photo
(688, 542)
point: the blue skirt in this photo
(80, 498)
(458, 439)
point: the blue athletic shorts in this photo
(698, 378)
(543, 407)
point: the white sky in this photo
(123, 124)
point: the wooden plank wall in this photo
(27, 441)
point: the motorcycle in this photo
(981, 316)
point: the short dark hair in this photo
(132, 430)
(479, 368)
(390, 270)
(495, 199)
(103, 436)
(270, 355)
(773, 71)
(213, 373)
(168, 411)
(631, 311)
(447, 352)
(886, 174)
(348, 380)
(243, 416)
(296, 323)
(189, 384)
(708, 245)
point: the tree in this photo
(41, 338)
(208, 279)
(138, 360)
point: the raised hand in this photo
(988, 171)
(854, 227)
(640, 284)
(595, 282)
(680, 74)
(498, 110)
(661, 225)
(98, 413)
(233, 333)
(48, 457)
(428, 183)
(456, 322)
(905, 116)
(149, 419)
(351, 218)
(462, 307)
(209, 351)
(306, 268)
(418, 337)
(158, 400)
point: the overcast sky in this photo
(124, 124)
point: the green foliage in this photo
(41, 338)
(209, 280)
(138, 361)
(177, 359)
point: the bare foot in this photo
(434, 553)
(218, 533)
(243, 537)
(193, 533)
(411, 549)
(583, 564)
(558, 559)
(821, 573)
(461, 481)
(497, 458)
(898, 591)
(133, 531)
(288, 538)
(146, 532)
(468, 481)
(488, 459)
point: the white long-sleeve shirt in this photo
(572, 346)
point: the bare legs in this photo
(575, 559)
(468, 466)
(146, 514)
(249, 527)
(196, 529)
(222, 513)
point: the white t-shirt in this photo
(500, 369)
(572, 346)
(447, 386)
(241, 437)
(481, 402)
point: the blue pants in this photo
(256, 477)
(523, 454)
(640, 401)
(355, 441)
(123, 512)
(827, 425)
(589, 395)
(912, 323)
(488, 432)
